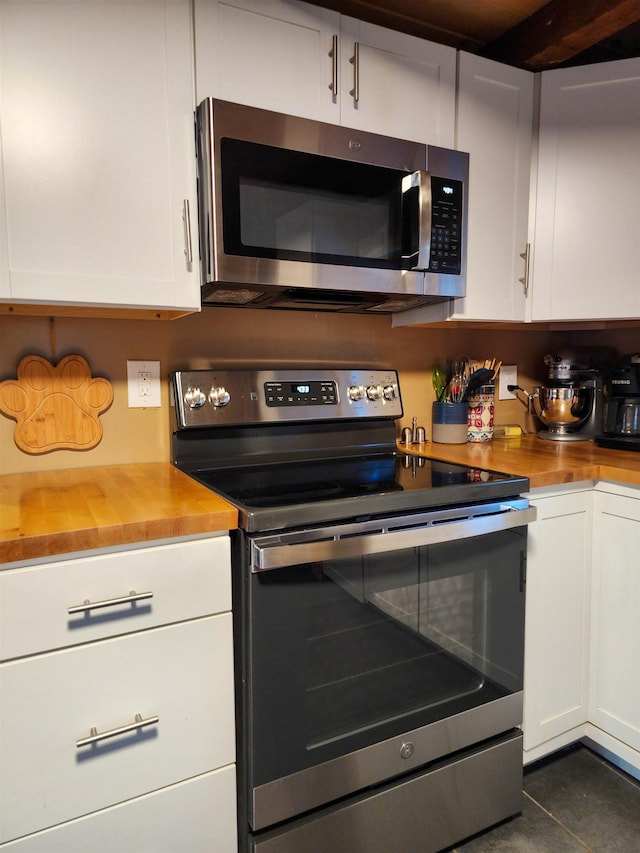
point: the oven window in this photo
(289, 205)
(346, 653)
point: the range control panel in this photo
(204, 398)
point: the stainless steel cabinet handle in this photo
(355, 61)
(186, 218)
(96, 736)
(109, 602)
(526, 257)
(333, 53)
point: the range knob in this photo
(219, 396)
(375, 392)
(194, 398)
(390, 392)
(356, 392)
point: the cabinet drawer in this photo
(186, 580)
(197, 815)
(182, 673)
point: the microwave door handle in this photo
(422, 180)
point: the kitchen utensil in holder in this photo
(450, 423)
(481, 413)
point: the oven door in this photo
(373, 649)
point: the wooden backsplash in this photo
(240, 337)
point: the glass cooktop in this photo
(294, 493)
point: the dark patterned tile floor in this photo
(572, 802)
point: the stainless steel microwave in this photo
(300, 214)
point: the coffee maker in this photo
(621, 418)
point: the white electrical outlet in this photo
(508, 375)
(143, 384)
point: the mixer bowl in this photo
(564, 408)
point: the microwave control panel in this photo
(446, 226)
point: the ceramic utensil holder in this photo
(481, 412)
(450, 423)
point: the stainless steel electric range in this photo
(378, 614)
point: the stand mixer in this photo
(569, 405)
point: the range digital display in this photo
(314, 393)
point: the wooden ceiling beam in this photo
(560, 30)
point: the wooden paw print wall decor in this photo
(56, 407)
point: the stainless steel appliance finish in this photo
(569, 404)
(299, 214)
(621, 420)
(379, 614)
(426, 805)
(375, 537)
(566, 409)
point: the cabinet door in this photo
(98, 147)
(557, 618)
(5, 286)
(196, 815)
(587, 252)
(182, 673)
(495, 125)
(396, 85)
(274, 55)
(614, 702)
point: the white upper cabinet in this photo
(5, 290)
(494, 115)
(274, 55)
(305, 61)
(587, 251)
(96, 122)
(396, 84)
(495, 125)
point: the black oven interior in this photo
(378, 618)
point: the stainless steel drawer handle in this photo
(97, 736)
(109, 602)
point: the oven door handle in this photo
(277, 552)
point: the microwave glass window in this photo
(289, 205)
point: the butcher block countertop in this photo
(57, 512)
(545, 463)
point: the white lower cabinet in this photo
(154, 823)
(146, 684)
(614, 695)
(582, 645)
(557, 620)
